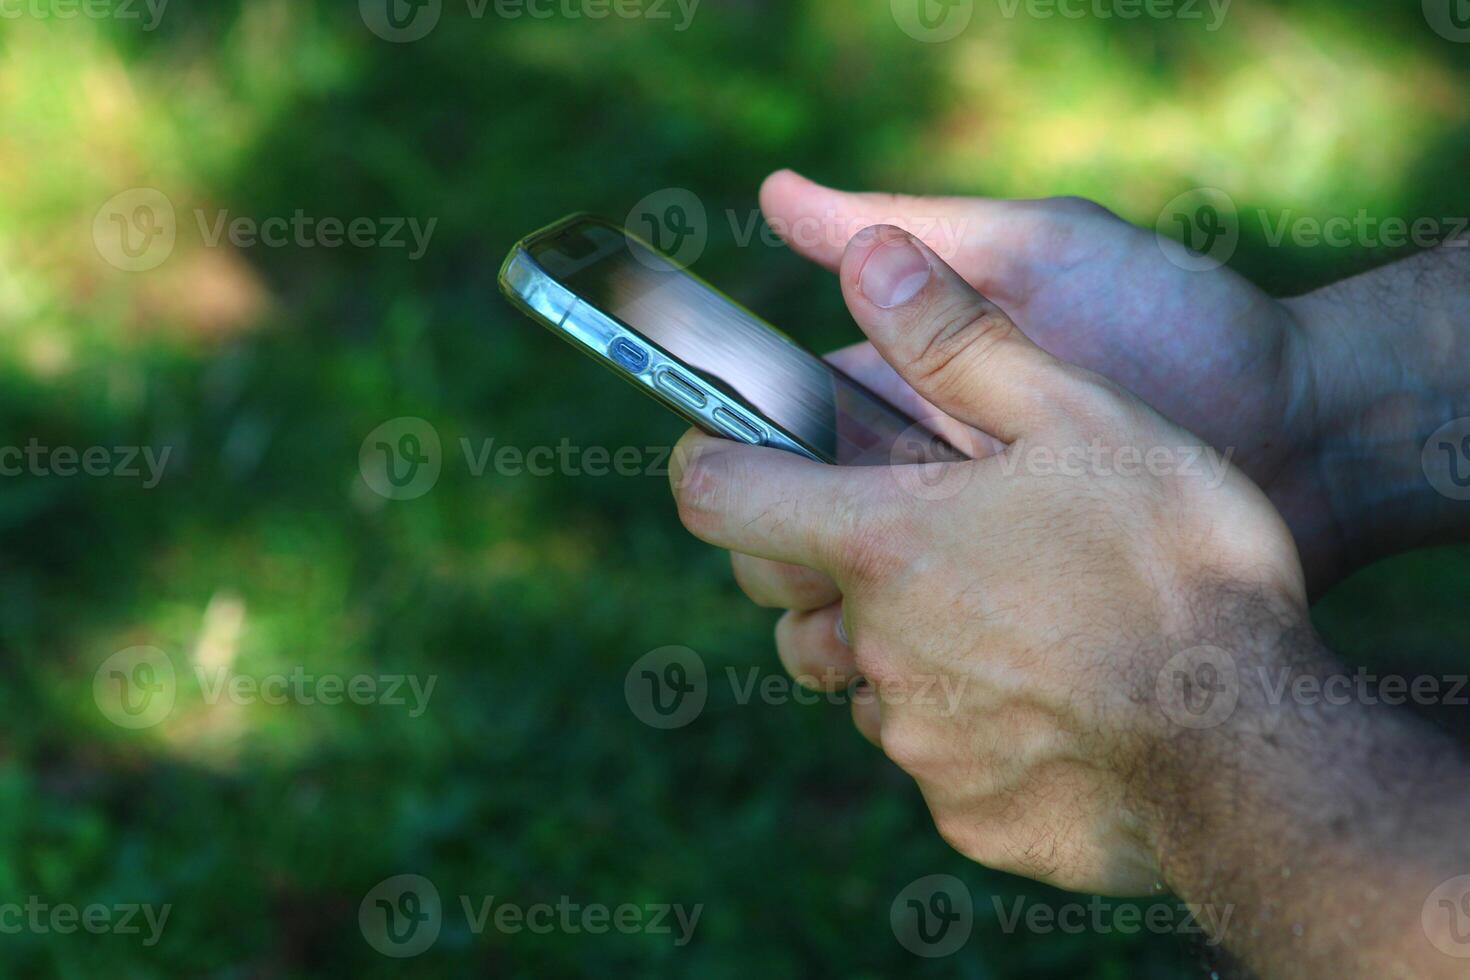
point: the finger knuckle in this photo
(960, 833)
(963, 340)
(1077, 206)
(907, 746)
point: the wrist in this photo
(1301, 792)
(1382, 370)
(1213, 700)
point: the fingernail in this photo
(894, 274)
(842, 631)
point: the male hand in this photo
(1044, 587)
(1207, 350)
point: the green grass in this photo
(527, 598)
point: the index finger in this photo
(777, 505)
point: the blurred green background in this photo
(527, 598)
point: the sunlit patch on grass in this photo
(83, 123)
(230, 654)
(219, 633)
(1278, 109)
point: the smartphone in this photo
(698, 352)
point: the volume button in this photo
(678, 386)
(738, 427)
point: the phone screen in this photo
(732, 349)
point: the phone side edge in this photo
(541, 297)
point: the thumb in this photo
(955, 347)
